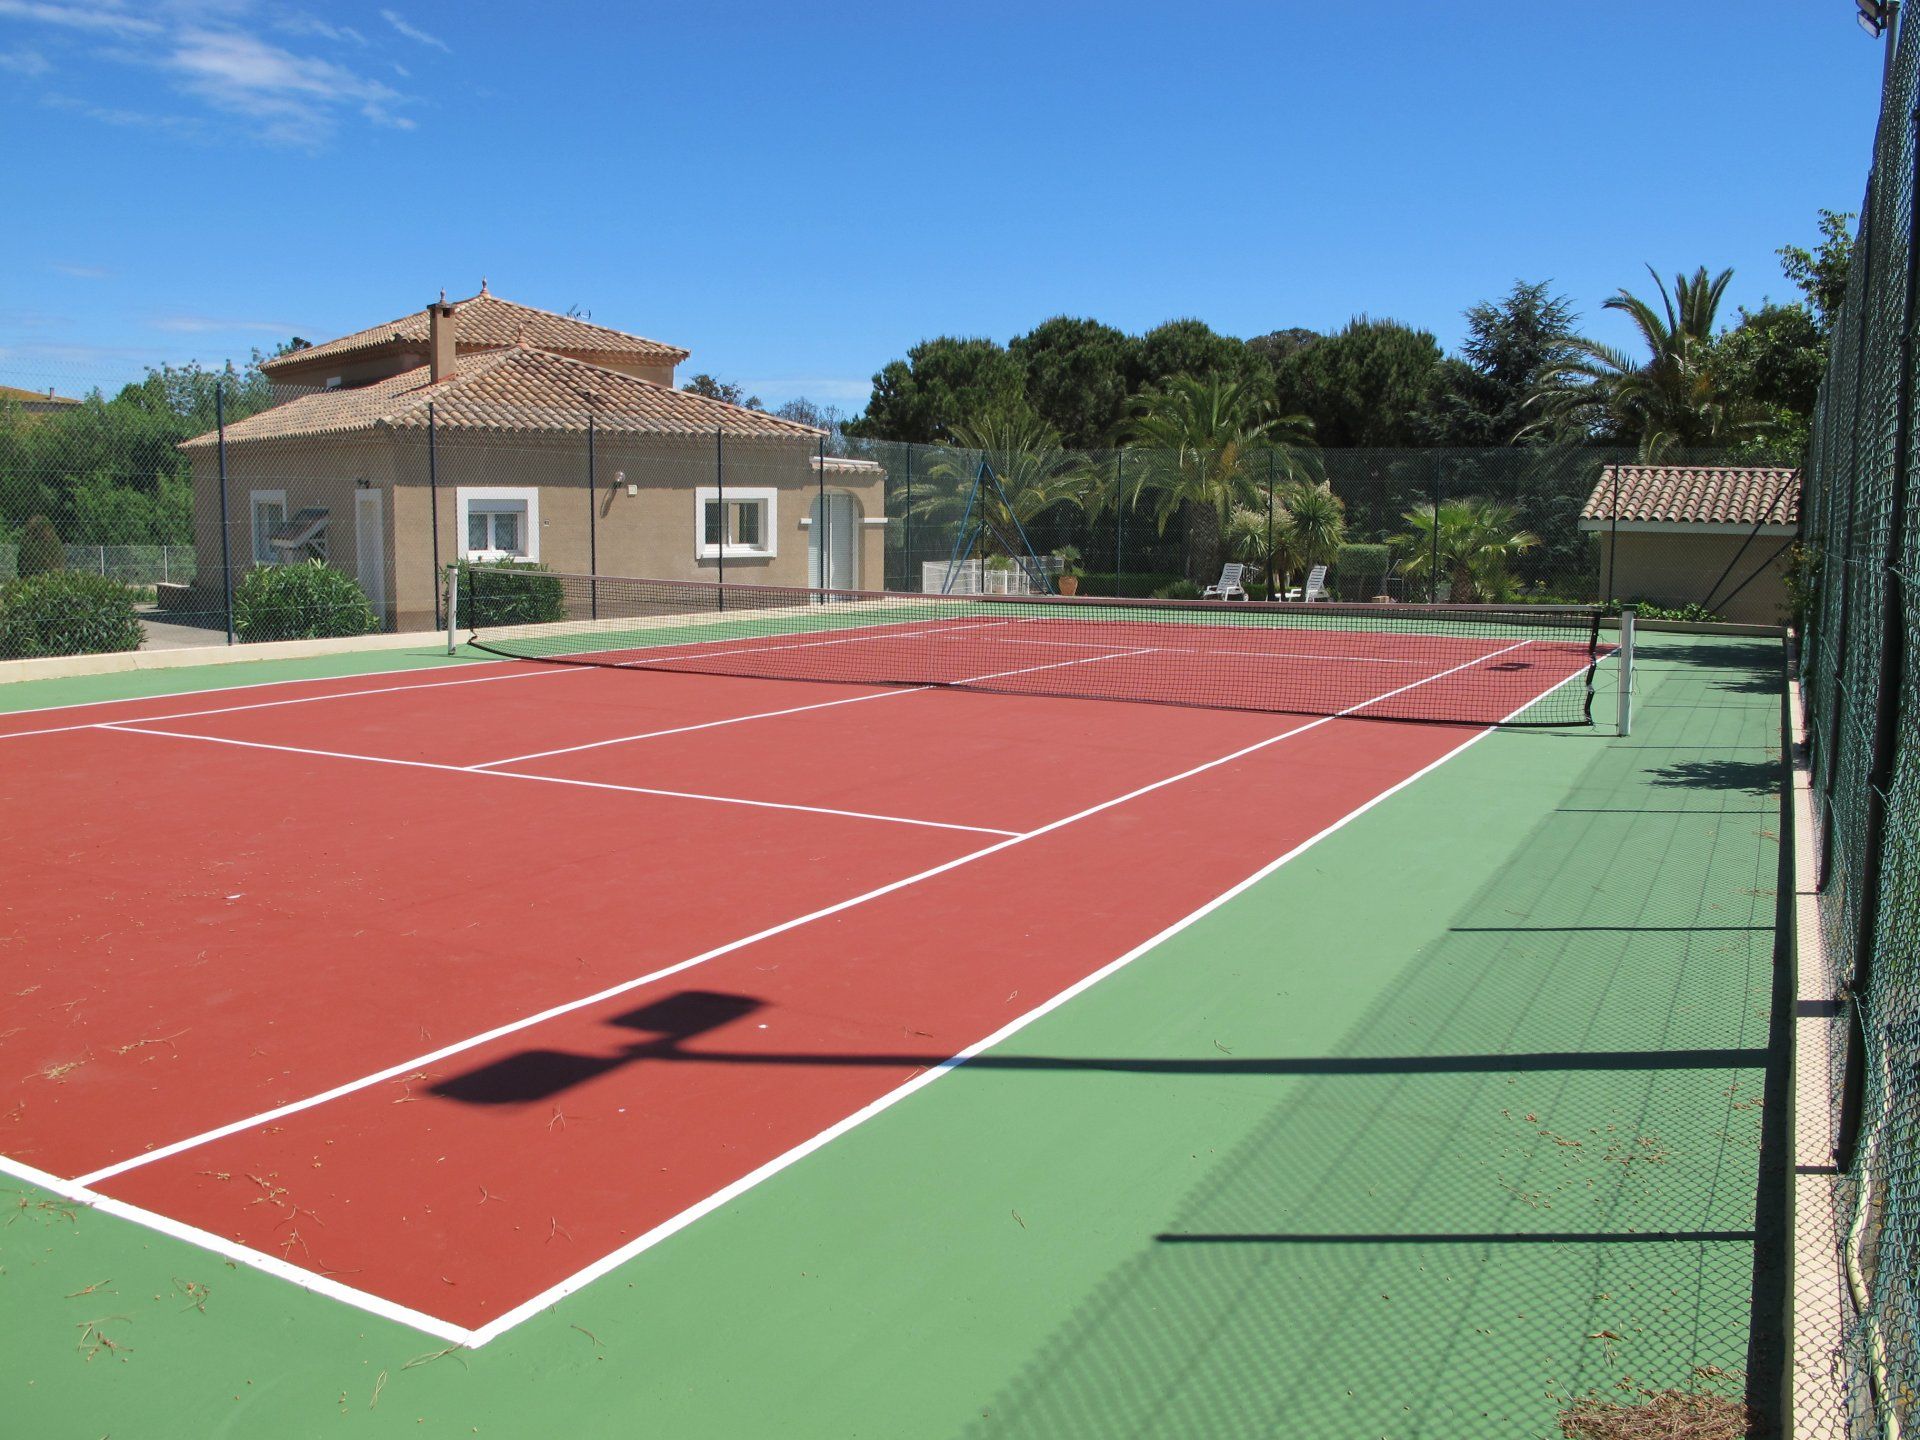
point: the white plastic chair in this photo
(1316, 586)
(1228, 586)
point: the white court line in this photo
(80, 1191)
(427, 636)
(73, 1190)
(925, 626)
(533, 674)
(702, 725)
(487, 765)
(1196, 650)
(131, 729)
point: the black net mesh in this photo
(1483, 665)
(1862, 627)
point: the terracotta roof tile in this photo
(1697, 495)
(484, 322)
(517, 390)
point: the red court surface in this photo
(357, 982)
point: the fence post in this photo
(593, 529)
(1613, 532)
(720, 498)
(1119, 522)
(907, 580)
(226, 531)
(1433, 559)
(433, 505)
(826, 531)
(1886, 705)
(1271, 596)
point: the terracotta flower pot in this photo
(1069, 584)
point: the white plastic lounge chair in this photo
(1228, 586)
(1316, 586)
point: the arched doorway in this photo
(834, 531)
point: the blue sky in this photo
(797, 193)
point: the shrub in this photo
(66, 612)
(41, 552)
(1802, 580)
(1182, 589)
(1693, 612)
(1361, 568)
(308, 601)
(512, 592)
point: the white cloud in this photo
(413, 32)
(79, 272)
(296, 22)
(105, 17)
(288, 93)
(293, 94)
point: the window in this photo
(500, 524)
(269, 513)
(740, 520)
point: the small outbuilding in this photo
(1711, 535)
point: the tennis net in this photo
(1467, 664)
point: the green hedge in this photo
(40, 549)
(512, 592)
(1139, 584)
(66, 612)
(1363, 567)
(308, 601)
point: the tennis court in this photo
(446, 995)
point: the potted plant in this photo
(999, 574)
(1069, 559)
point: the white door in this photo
(834, 530)
(370, 549)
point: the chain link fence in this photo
(1860, 566)
(199, 507)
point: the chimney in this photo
(440, 339)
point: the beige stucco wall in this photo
(1668, 568)
(317, 472)
(652, 532)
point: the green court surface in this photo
(1454, 1117)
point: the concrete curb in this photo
(1822, 1312)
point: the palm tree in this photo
(1310, 525)
(1467, 541)
(1035, 475)
(1199, 435)
(1672, 398)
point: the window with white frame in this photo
(499, 524)
(734, 522)
(268, 513)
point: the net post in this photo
(452, 578)
(1626, 670)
